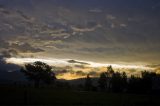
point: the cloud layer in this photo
(105, 31)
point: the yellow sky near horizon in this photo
(80, 70)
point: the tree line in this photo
(109, 81)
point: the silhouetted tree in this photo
(39, 72)
(118, 82)
(134, 84)
(113, 81)
(102, 81)
(147, 80)
(142, 84)
(109, 75)
(110, 71)
(88, 83)
(124, 81)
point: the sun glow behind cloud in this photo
(64, 62)
(22, 61)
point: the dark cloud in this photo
(9, 50)
(103, 50)
(23, 15)
(59, 72)
(80, 66)
(80, 73)
(64, 71)
(25, 47)
(7, 66)
(9, 53)
(93, 73)
(6, 54)
(79, 62)
(3, 44)
(61, 46)
(9, 72)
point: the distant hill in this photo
(79, 81)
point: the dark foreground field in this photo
(49, 96)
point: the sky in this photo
(121, 32)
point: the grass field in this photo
(49, 96)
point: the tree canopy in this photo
(39, 72)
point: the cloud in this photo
(9, 72)
(6, 54)
(60, 72)
(78, 29)
(88, 27)
(61, 46)
(78, 62)
(24, 16)
(110, 17)
(3, 43)
(80, 73)
(7, 66)
(103, 50)
(26, 47)
(9, 53)
(97, 33)
(96, 10)
(123, 25)
(93, 74)
(80, 66)
(64, 72)
(4, 11)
